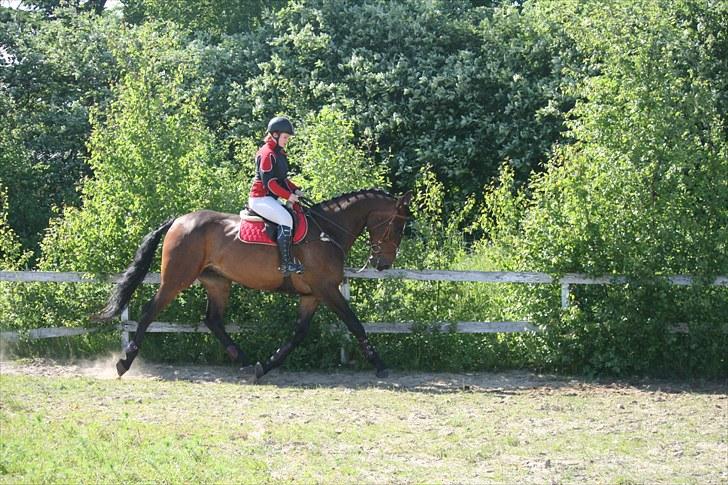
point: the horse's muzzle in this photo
(380, 264)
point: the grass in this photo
(86, 430)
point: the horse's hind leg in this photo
(151, 309)
(218, 293)
(179, 271)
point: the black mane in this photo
(341, 201)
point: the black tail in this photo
(134, 274)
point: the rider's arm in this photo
(270, 180)
(291, 186)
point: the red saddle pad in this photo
(253, 232)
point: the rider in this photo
(270, 183)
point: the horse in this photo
(203, 246)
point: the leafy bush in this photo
(12, 255)
(152, 158)
(214, 17)
(426, 82)
(640, 192)
(52, 73)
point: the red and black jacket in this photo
(271, 173)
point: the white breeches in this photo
(269, 208)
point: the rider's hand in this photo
(293, 198)
(300, 193)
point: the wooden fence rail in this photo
(128, 325)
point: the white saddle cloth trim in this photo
(246, 216)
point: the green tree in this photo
(642, 191)
(206, 16)
(444, 83)
(329, 162)
(51, 74)
(456, 85)
(12, 255)
(152, 158)
(51, 7)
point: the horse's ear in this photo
(405, 200)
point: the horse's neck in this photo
(351, 215)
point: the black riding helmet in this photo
(280, 124)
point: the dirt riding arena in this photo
(76, 422)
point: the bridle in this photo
(375, 248)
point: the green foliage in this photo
(641, 192)
(648, 173)
(51, 7)
(454, 84)
(13, 165)
(51, 73)
(206, 16)
(152, 158)
(329, 162)
(12, 256)
(427, 82)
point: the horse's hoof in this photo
(382, 373)
(121, 368)
(238, 356)
(259, 371)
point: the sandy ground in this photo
(104, 368)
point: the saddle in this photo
(256, 230)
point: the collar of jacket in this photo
(273, 144)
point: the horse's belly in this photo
(252, 266)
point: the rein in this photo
(309, 205)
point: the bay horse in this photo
(203, 246)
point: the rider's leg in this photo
(270, 209)
(288, 265)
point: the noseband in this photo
(375, 248)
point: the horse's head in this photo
(385, 231)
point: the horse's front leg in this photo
(306, 308)
(336, 301)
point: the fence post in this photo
(124, 333)
(346, 292)
(564, 296)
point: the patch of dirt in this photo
(104, 368)
(507, 382)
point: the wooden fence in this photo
(128, 325)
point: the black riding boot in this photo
(288, 265)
